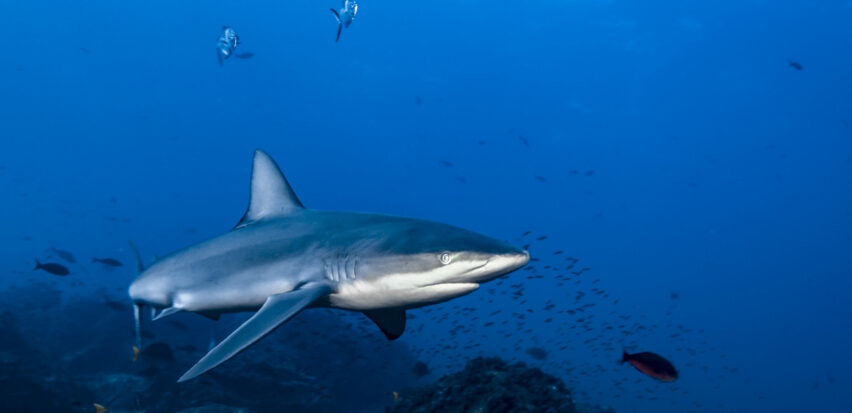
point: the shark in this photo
(282, 258)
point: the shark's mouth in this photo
(456, 276)
(492, 268)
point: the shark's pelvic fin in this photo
(278, 309)
(166, 312)
(391, 321)
(271, 195)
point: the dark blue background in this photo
(720, 173)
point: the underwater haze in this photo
(679, 171)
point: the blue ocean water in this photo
(671, 147)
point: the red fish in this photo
(652, 365)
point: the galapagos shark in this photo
(282, 258)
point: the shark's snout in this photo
(505, 263)
(495, 265)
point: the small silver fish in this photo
(345, 16)
(228, 41)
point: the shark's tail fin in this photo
(339, 24)
(38, 265)
(139, 267)
(137, 314)
(137, 308)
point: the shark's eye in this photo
(445, 258)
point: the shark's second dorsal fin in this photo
(271, 195)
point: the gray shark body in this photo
(282, 258)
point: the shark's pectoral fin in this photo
(277, 309)
(391, 321)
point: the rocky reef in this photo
(492, 385)
(65, 357)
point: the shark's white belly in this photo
(362, 295)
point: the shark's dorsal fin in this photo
(391, 321)
(271, 195)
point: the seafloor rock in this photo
(490, 385)
(114, 388)
(11, 338)
(24, 394)
(66, 364)
(215, 408)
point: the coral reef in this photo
(491, 385)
